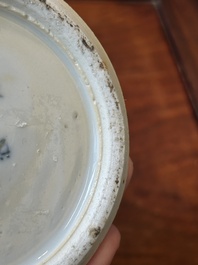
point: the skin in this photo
(111, 243)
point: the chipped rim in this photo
(108, 189)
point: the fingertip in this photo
(130, 171)
(108, 248)
(116, 236)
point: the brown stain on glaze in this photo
(89, 46)
(45, 2)
(94, 232)
(117, 181)
(102, 65)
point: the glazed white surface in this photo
(94, 117)
(45, 125)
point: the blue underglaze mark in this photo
(4, 149)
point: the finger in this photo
(130, 172)
(107, 249)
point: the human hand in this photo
(106, 251)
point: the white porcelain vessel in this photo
(63, 136)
